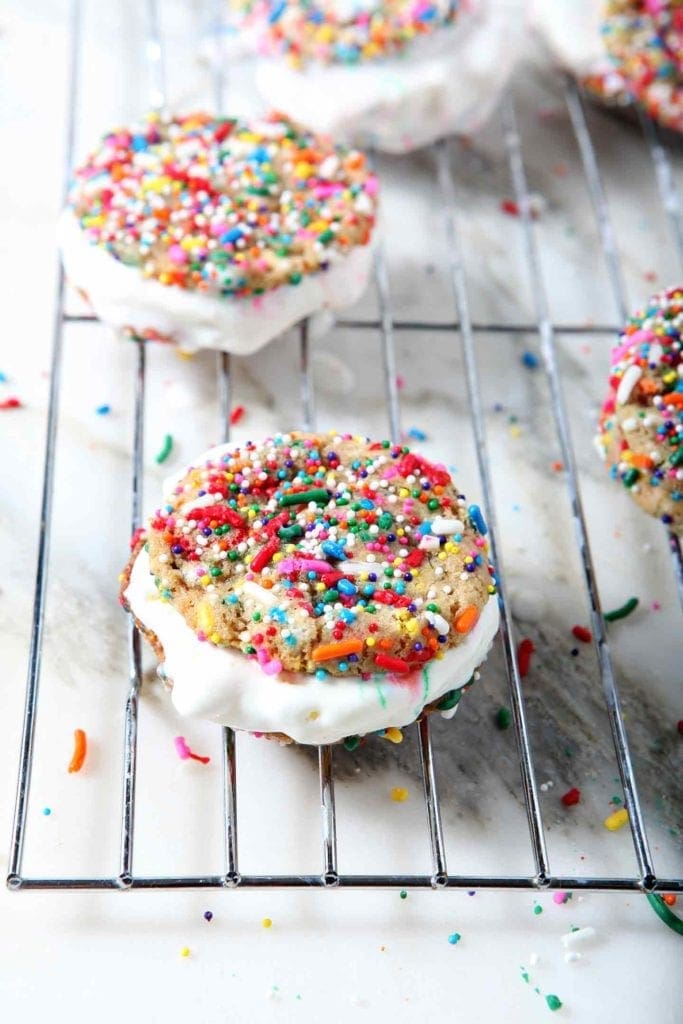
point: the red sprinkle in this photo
(391, 664)
(582, 634)
(524, 652)
(10, 403)
(262, 557)
(510, 207)
(571, 797)
(237, 414)
(140, 532)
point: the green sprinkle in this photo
(449, 701)
(503, 718)
(290, 532)
(621, 613)
(351, 742)
(256, 616)
(433, 504)
(215, 571)
(553, 1002)
(385, 521)
(630, 476)
(317, 494)
(166, 447)
(538, 909)
(403, 894)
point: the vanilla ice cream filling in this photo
(122, 298)
(225, 686)
(572, 30)
(444, 83)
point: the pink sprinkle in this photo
(371, 185)
(273, 667)
(288, 565)
(400, 382)
(560, 898)
(182, 749)
(177, 255)
(656, 606)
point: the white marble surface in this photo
(117, 957)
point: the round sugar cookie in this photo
(622, 50)
(316, 587)
(641, 423)
(391, 74)
(216, 232)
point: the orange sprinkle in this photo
(80, 750)
(325, 652)
(674, 398)
(641, 461)
(669, 899)
(466, 619)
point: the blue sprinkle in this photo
(478, 520)
(347, 616)
(47, 811)
(416, 434)
(320, 673)
(277, 12)
(424, 528)
(232, 235)
(139, 143)
(3, 378)
(454, 939)
(346, 587)
(102, 410)
(366, 503)
(530, 360)
(333, 550)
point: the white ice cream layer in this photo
(122, 297)
(445, 83)
(224, 686)
(571, 29)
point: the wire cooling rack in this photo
(385, 327)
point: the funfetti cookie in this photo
(391, 74)
(641, 424)
(622, 50)
(218, 233)
(314, 587)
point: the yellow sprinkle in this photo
(313, 715)
(515, 431)
(394, 735)
(320, 586)
(205, 617)
(266, 922)
(399, 794)
(184, 355)
(215, 638)
(205, 580)
(278, 556)
(370, 642)
(404, 492)
(441, 556)
(185, 951)
(616, 820)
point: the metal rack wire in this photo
(385, 325)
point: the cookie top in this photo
(644, 40)
(641, 424)
(348, 31)
(222, 206)
(323, 554)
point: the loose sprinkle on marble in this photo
(267, 922)
(184, 752)
(237, 414)
(530, 360)
(103, 410)
(582, 634)
(10, 403)
(616, 820)
(79, 751)
(208, 915)
(524, 652)
(454, 938)
(399, 794)
(571, 797)
(165, 450)
(621, 612)
(503, 718)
